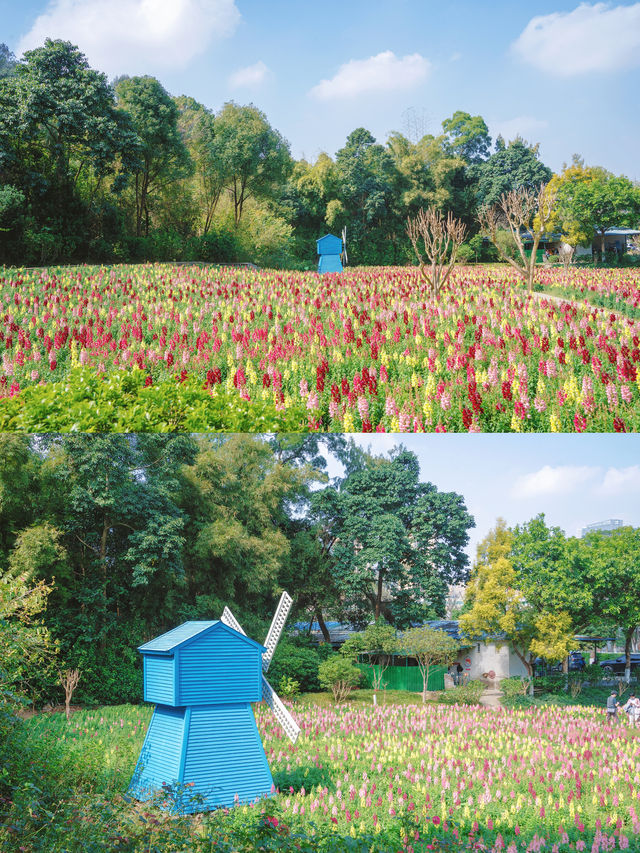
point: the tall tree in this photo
(468, 136)
(235, 495)
(395, 543)
(197, 127)
(613, 564)
(60, 138)
(7, 61)
(498, 607)
(591, 200)
(253, 155)
(368, 191)
(162, 155)
(511, 167)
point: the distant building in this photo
(602, 526)
(618, 240)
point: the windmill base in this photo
(201, 758)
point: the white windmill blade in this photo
(344, 244)
(291, 728)
(229, 619)
(275, 630)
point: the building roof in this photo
(185, 633)
(621, 232)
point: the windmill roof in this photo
(329, 244)
(187, 632)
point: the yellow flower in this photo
(516, 423)
(554, 423)
(348, 423)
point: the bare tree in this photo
(435, 241)
(525, 214)
(69, 679)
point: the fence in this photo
(405, 677)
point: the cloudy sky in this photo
(574, 480)
(564, 74)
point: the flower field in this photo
(363, 351)
(395, 777)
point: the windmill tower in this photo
(329, 249)
(202, 740)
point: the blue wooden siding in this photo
(224, 757)
(159, 761)
(159, 679)
(329, 263)
(329, 245)
(219, 667)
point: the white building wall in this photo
(500, 660)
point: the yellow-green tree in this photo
(499, 608)
(589, 200)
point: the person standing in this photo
(632, 707)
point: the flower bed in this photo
(362, 351)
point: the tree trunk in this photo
(627, 653)
(323, 626)
(379, 595)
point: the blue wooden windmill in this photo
(202, 742)
(330, 250)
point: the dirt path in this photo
(540, 294)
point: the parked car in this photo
(617, 665)
(576, 662)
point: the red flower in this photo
(619, 425)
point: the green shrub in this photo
(466, 694)
(514, 687)
(288, 687)
(339, 675)
(120, 402)
(297, 663)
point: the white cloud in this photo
(621, 481)
(384, 72)
(135, 36)
(593, 37)
(559, 480)
(525, 126)
(252, 75)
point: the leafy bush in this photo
(514, 687)
(297, 663)
(339, 675)
(466, 694)
(121, 402)
(288, 687)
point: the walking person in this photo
(612, 707)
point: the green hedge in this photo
(120, 402)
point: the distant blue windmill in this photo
(330, 249)
(202, 741)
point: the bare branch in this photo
(524, 213)
(435, 241)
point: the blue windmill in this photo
(330, 249)
(202, 742)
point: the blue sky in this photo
(574, 480)
(564, 74)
